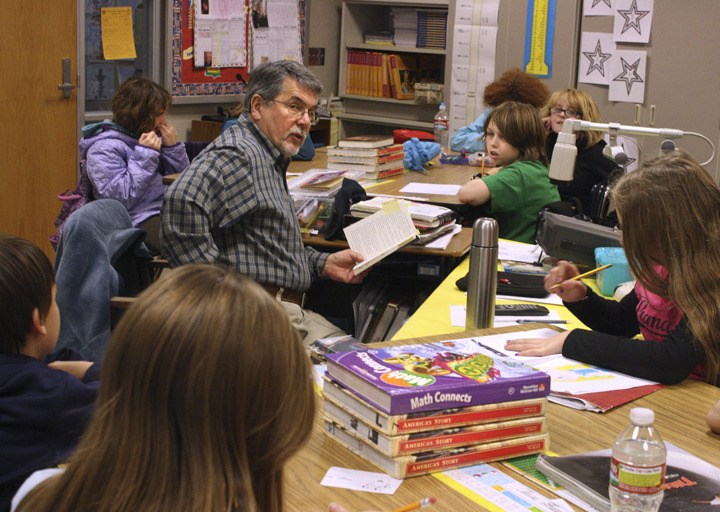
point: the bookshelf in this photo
(367, 114)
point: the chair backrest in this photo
(599, 203)
(99, 255)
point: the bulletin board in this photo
(190, 84)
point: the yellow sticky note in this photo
(118, 41)
(391, 206)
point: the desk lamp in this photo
(562, 165)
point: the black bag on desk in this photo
(514, 283)
(350, 192)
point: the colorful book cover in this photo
(433, 420)
(441, 460)
(435, 376)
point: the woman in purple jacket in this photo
(126, 158)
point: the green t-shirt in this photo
(517, 194)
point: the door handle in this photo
(66, 86)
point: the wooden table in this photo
(679, 417)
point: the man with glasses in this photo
(232, 204)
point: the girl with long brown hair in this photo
(206, 392)
(669, 210)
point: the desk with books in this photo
(571, 431)
(441, 174)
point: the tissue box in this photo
(619, 273)
(428, 93)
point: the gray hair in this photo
(267, 79)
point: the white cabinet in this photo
(366, 114)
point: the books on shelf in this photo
(399, 424)
(366, 141)
(431, 28)
(403, 75)
(435, 376)
(380, 234)
(441, 460)
(424, 215)
(690, 482)
(431, 440)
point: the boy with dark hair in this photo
(45, 398)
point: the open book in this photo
(380, 234)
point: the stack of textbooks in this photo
(416, 409)
(430, 220)
(377, 156)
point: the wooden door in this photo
(38, 127)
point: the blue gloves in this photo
(418, 153)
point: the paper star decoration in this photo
(597, 59)
(606, 2)
(632, 17)
(629, 74)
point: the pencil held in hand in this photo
(580, 276)
(425, 502)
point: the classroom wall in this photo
(323, 31)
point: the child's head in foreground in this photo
(206, 392)
(28, 312)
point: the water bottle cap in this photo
(642, 416)
(485, 232)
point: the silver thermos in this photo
(482, 278)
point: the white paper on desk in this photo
(516, 251)
(430, 189)
(443, 241)
(497, 342)
(576, 378)
(360, 480)
(457, 317)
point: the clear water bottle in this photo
(441, 126)
(637, 468)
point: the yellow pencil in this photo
(586, 274)
(482, 165)
(425, 502)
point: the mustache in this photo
(301, 133)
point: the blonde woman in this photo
(669, 210)
(206, 393)
(591, 166)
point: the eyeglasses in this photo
(569, 112)
(298, 111)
